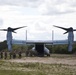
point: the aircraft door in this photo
(39, 47)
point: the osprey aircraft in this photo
(9, 35)
(70, 36)
(39, 45)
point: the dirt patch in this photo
(53, 59)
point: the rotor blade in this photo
(14, 32)
(3, 30)
(61, 27)
(74, 29)
(65, 32)
(18, 28)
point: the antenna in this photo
(52, 39)
(26, 35)
(52, 35)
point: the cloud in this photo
(21, 2)
(1, 22)
(39, 35)
(40, 27)
(16, 13)
(57, 7)
(45, 7)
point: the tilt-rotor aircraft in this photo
(70, 36)
(39, 45)
(9, 35)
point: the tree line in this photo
(61, 49)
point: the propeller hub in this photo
(70, 29)
(9, 29)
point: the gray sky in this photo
(39, 16)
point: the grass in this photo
(36, 68)
(63, 56)
(13, 68)
(8, 72)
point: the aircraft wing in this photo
(30, 41)
(55, 42)
(18, 41)
(47, 42)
